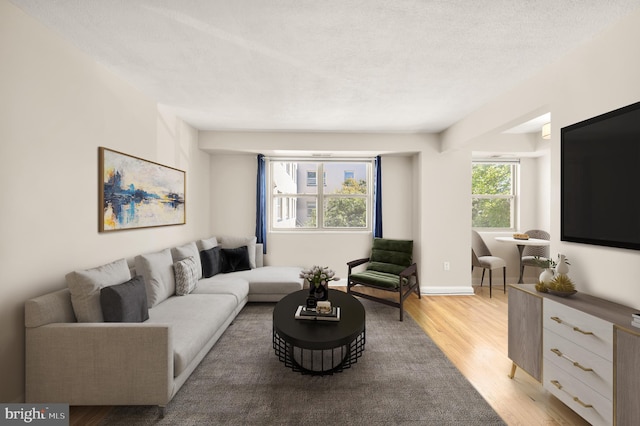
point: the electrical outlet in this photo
(446, 266)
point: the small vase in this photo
(562, 268)
(546, 275)
(320, 292)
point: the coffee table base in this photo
(318, 362)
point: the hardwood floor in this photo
(472, 332)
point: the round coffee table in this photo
(319, 347)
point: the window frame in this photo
(320, 197)
(513, 197)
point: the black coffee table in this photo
(319, 347)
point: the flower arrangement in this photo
(318, 276)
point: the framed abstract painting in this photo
(136, 193)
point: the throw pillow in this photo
(186, 272)
(85, 286)
(188, 250)
(211, 261)
(157, 271)
(235, 242)
(126, 302)
(235, 259)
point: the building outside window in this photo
(493, 195)
(343, 202)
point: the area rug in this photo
(401, 378)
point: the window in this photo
(343, 202)
(493, 195)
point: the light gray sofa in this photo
(143, 363)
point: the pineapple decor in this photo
(561, 285)
(541, 287)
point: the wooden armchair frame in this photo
(405, 285)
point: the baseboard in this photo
(447, 291)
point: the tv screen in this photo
(600, 178)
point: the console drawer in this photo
(591, 369)
(594, 334)
(585, 401)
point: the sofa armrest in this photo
(99, 364)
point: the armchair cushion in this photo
(390, 256)
(376, 278)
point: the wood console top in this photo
(620, 315)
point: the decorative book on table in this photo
(303, 313)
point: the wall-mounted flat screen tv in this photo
(600, 180)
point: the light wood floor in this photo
(472, 332)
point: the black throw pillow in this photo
(126, 302)
(211, 260)
(235, 259)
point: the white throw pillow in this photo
(186, 275)
(85, 286)
(235, 242)
(157, 271)
(185, 251)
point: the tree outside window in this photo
(493, 195)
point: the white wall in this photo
(598, 77)
(57, 107)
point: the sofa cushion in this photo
(194, 320)
(207, 243)
(85, 286)
(271, 279)
(224, 284)
(188, 250)
(186, 272)
(211, 260)
(235, 242)
(235, 259)
(126, 302)
(157, 271)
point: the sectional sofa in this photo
(132, 331)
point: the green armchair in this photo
(389, 268)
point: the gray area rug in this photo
(401, 378)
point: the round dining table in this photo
(520, 245)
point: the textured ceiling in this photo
(335, 65)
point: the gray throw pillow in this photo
(85, 286)
(126, 302)
(211, 260)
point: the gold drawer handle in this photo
(559, 321)
(581, 331)
(575, 398)
(575, 363)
